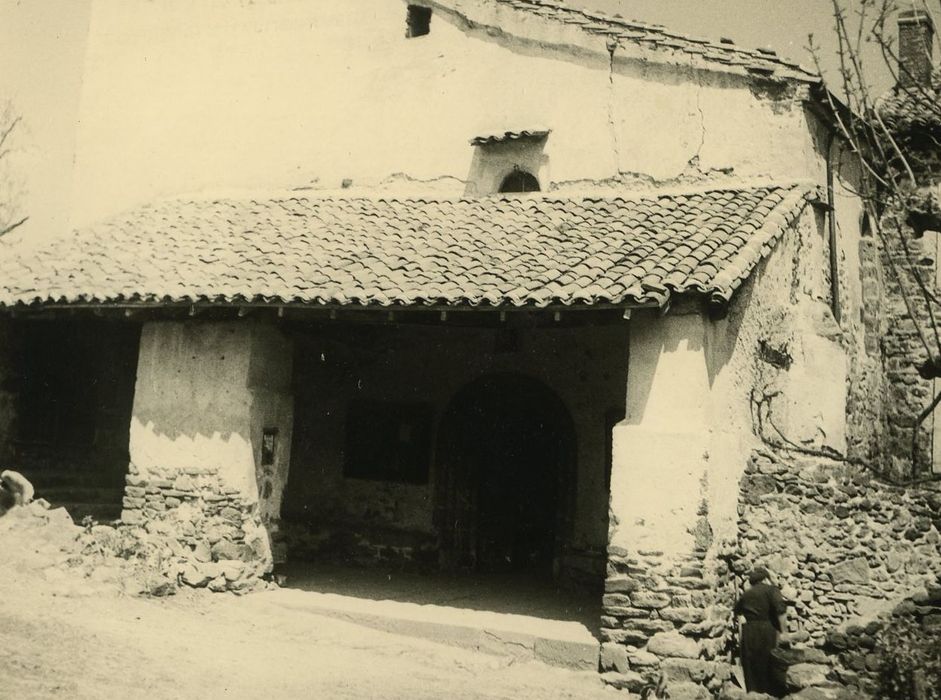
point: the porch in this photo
(480, 443)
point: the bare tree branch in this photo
(8, 129)
(16, 224)
(896, 138)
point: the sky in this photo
(42, 44)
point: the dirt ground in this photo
(71, 632)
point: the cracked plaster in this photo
(190, 123)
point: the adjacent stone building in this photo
(910, 111)
(539, 290)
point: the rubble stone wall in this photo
(896, 310)
(844, 543)
(222, 543)
(866, 405)
(792, 371)
(858, 648)
(773, 370)
(846, 547)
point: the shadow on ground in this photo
(513, 594)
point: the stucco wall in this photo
(584, 366)
(286, 94)
(205, 392)
(192, 404)
(711, 379)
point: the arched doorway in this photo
(505, 471)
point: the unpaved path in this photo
(202, 645)
(68, 630)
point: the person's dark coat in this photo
(760, 605)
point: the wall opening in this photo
(519, 181)
(418, 21)
(506, 453)
(73, 386)
(391, 514)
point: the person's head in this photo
(758, 575)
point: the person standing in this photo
(762, 616)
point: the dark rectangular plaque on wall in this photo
(269, 442)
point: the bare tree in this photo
(11, 216)
(898, 138)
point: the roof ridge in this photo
(549, 195)
(764, 59)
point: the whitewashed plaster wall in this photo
(192, 403)
(702, 394)
(204, 394)
(182, 97)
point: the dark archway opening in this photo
(519, 181)
(505, 466)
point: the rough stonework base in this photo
(222, 543)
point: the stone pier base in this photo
(663, 612)
(210, 442)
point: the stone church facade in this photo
(471, 285)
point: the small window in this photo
(388, 441)
(418, 21)
(519, 181)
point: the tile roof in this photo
(913, 109)
(502, 136)
(509, 250)
(723, 54)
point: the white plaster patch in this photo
(815, 403)
(157, 454)
(656, 488)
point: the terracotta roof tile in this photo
(913, 109)
(529, 250)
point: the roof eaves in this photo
(534, 134)
(738, 268)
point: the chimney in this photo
(916, 46)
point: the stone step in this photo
(561, 643)
(100, 512)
